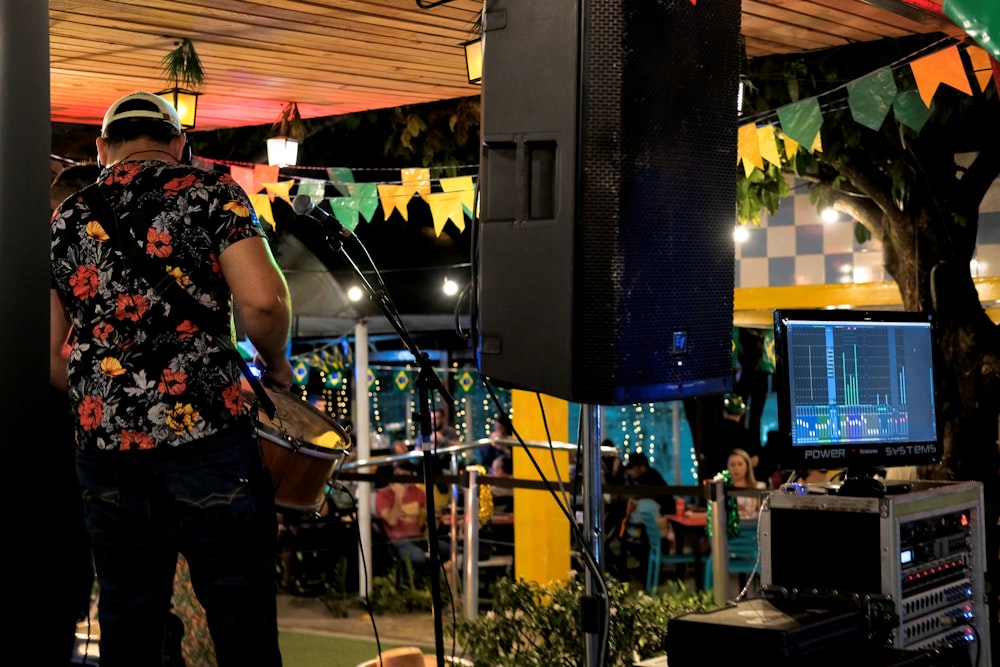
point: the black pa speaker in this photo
(605, 255)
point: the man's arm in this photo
(265, 304)
(58, 331)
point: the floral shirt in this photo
(141, 375)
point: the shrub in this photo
(539, 626)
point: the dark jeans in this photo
(211, 500)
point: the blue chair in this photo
(742, 553)
(647, 513)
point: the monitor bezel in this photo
(858, 459)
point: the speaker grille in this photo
(635, 227)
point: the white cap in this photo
(142, 105)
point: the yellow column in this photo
(541, 530)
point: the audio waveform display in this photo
(852, 383)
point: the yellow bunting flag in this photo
(445, 206)
(790, 146)
(466, 189)
(981, 67)
(280, 189)
(817, 144)
(243, 177)
(944, 66)
(768, 143)
(748, 148)
(262, 204)
(416, 180)
(394, 198)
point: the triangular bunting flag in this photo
(465, 187)
(801, 121)
(244, 178)
(768, 143)
(445, 206)
(416, 180)
(367, 196)
(264, 173)
(342, 178)
(394, 198)
(346, 211)
(748, 148)
(944, 66)
(870, 97)
(817, 146)
(790, 146)
(981, 68)
(262, 204)
(909, 110)
(313, 188)
(280, 189)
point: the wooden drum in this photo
(302, 448)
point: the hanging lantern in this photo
(283, 148)
(182, 66)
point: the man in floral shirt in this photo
(167, 457)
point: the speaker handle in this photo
(523, 180)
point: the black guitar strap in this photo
(165, 285)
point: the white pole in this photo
(362, 445)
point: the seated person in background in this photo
(503, 497)
(402, 507)
(639, 473)
(740, 467)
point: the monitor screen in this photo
(856, 389)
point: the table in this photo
(689, 527)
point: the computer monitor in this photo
(856, 390)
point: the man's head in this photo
(733, 407)
(140, 117)
(636, 465)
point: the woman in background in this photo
(740, 467)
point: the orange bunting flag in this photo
(264, 173)
(768, 143)
(465, 187)
(280, 189)
(394, 198)
(262, 204)
(446, 206)
(417, 180)
(981, 68)
(944, 66)
(748, 148)
(244, 178)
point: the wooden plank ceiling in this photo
(333, 57)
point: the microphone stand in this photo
(427, 381)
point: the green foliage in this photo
(439, 135)
(400, 590)
(539, 626)
(761, 190)
(182, 66)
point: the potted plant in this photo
(532, 625)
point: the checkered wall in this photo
(795, 247)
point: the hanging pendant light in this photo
(283, 148)
(182, 66)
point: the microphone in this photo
(303, 205)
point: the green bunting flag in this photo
(870, 97)
(333, 379)
(910, 110)
(300, 371)
(342, 179)
(346, 210)
(466, 382)
(767, 361)
(367, 196)
(801, 121)
(401, 380)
